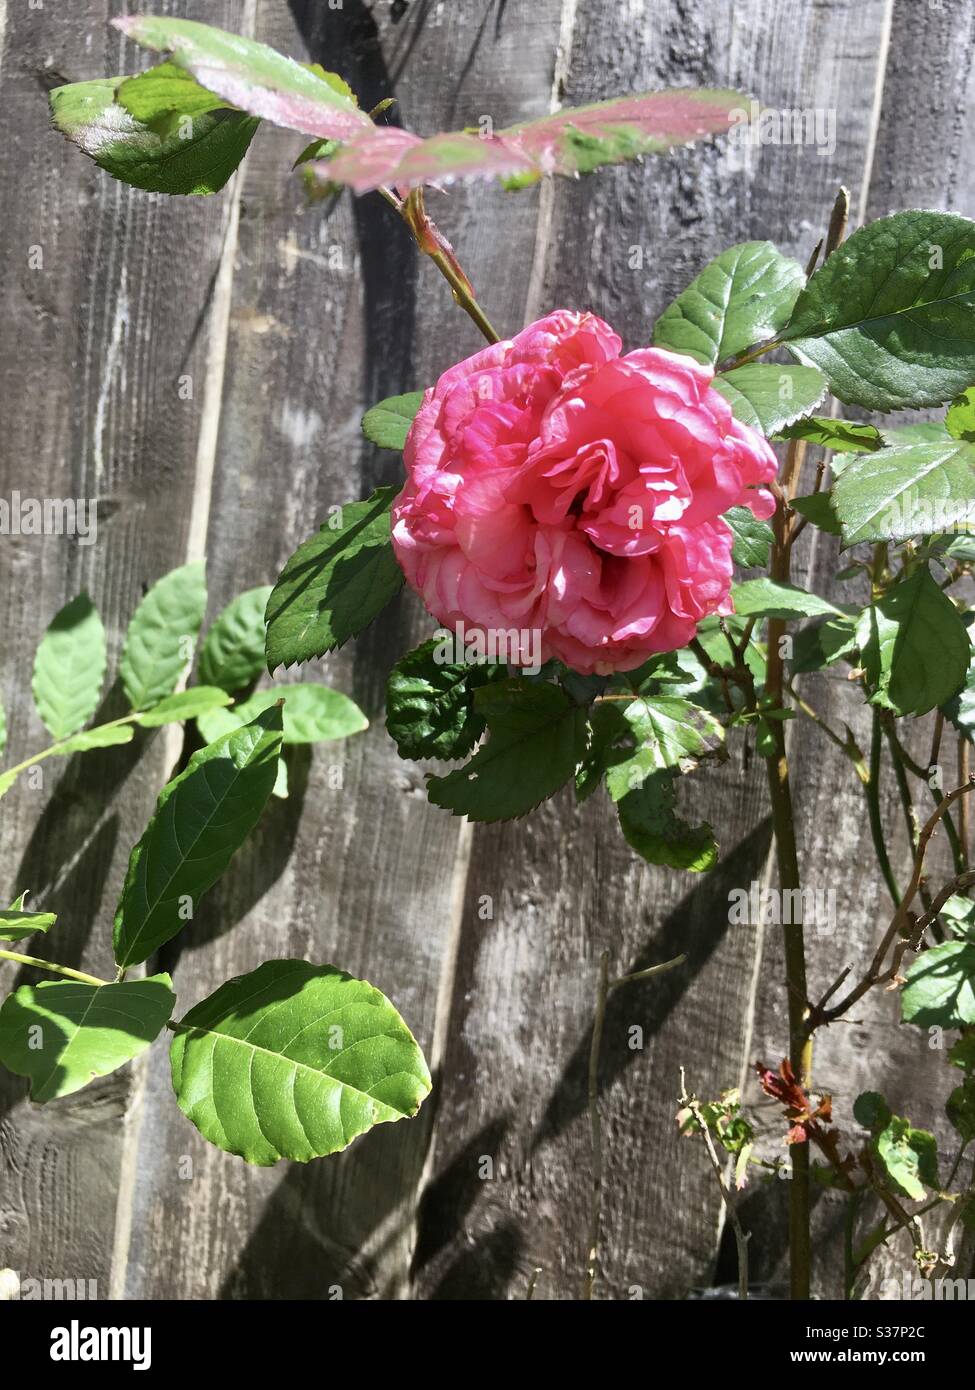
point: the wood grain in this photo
(96, 339)
(291, 319)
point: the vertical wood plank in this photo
(564, 884)
(96, 338)
(331, 312)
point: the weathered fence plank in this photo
(102, 288)
(564, 884)
(290, 319)
(331, 312)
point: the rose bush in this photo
(558, 486)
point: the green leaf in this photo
(252, 76)
(818, 507)
(909, 1157)
(186, 704)
(925, 432)
(537, 738)
(164, 92)
(232, 654)
(711, 636)
(888, 318)
(312, 714)
(960, 1109)
(910, 490)
(962, 1053)
(62, 1034)
(388, 423)
(652, 827)
(914, 646)
(575, 140)
(940, 989)
(752, 537)
(430, 709)
(960, 709)
(842, 436)
(69, 668)
(295, 1061)
(15, 923)
(192, 155)
(664, 732)
(822, 642)
(316, 149)
(959, 913)
(742, 297)
(335, 584)
(607, 728)
(104, 736)
(766, 598)
(202, 818)
(160, 638)
(768, 397)
(960, 420)
(871, 1110)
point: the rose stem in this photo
(432, 244)
(783, 821)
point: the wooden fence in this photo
(289, 320)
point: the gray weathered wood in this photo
(290, 319)
(95, 340)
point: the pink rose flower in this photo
(558, 488)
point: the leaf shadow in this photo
(330, 1225)
(253, 870)
(485, 1269)
(454, 1192)
(696, 927)
(74, 806)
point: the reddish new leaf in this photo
(253, 77)
(805, 1119)
(574, 141)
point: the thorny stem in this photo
(604, 988)
(431, 241)
(692, 1104)
(54, 969)
(872, 792)
(963, 817)
(904, 792)
(780, 797)
(924, 774)
(905, 930)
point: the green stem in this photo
(432, 243)
(783, 821)
(872, 791)
(937, 796)
(464, 297)
(18, 768)
(54, 969)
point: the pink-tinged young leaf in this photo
(574, 141)
(253, 77)
(581, 138)
(365, 163)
